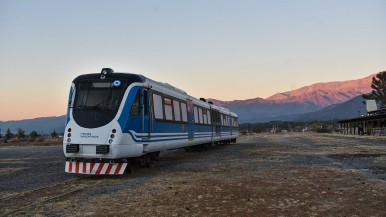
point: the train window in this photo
(204, 116)
(209, 120)
(184, 113)
(200, 115)
(222, 120)
(177, 113)
(134, 111)
(158, 108)
(168, 109)
(195, 115)
(215, 117)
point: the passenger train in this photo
(116, 121)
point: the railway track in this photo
(25, 201)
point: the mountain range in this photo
(44, 125)
(300, 101)
(320, 101)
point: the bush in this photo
(34, 135)
(20, 133)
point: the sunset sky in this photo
(216, 48)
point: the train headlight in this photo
(106, 72)
(68, 140)
(110, 141)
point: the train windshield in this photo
(97, 102)
(98, 95)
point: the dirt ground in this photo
(261, 175)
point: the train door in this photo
(145, 113)
(139, 113)
(211, 123)
(190, 120)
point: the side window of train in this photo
(158, 108)
(168, 109)
(204, 116)
(184, 112)
(200, 115)
(134, 111)
(195, 115)
(177, 113)
(208, 116)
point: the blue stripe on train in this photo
(69, 104)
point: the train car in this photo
(116, 121)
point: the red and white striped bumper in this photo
(95, 168)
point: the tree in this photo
(9, 134)
(20, 133)
(379, 87)
(34, 134)
(54, 134)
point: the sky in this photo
(218, 49)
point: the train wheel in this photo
(149, 161)
(130, 166)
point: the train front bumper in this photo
(103, 168)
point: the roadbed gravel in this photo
(294, 174)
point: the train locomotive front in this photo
(100, 107)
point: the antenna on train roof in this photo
(106, 72)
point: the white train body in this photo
(115, 118)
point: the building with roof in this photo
(372, 124)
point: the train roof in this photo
(122, 76)
(166, 85)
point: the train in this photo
(118, 121)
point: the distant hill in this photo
(325, 94)
(350, 109)
(261, 110)
(41, 125)
(304, 100)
